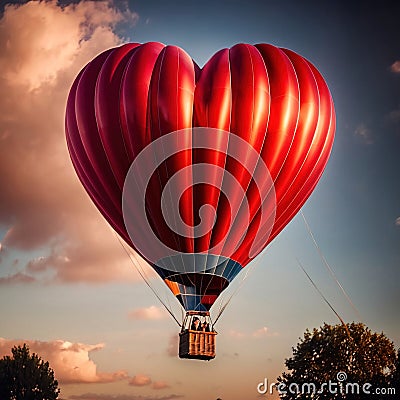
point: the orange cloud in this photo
(140, 380)
(42, 205)
(264, 332)
(258, 333)
(70, 361)
(236, 334)
(94, 396)
(395, 67)
(145, 380)
(151, 312)
(56, 38)
(158, 385)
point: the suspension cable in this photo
(322, 295)
(327, 266)
(142, 274)
(248, 270)
(325, 262)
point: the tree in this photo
(396, 376)
(26, 377)
(339, 362)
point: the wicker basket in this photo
(197, 345)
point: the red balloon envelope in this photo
(199, 169)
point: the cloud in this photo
(145, 380)
(394, 115)
(151, 313)
(263, 332)
(258, 333)
(172, 349)
(16, 278)
(159, 385)
(392, 120)
(63, 36)
(364, 134)
(397, 222)
(70, 361)
(236, 334)
(94, 396)
(140, 380)
(43, 207)
(395, 67)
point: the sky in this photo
(69, 290)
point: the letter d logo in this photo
(262, 387)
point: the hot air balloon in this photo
(198, 169)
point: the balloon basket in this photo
(197, 341)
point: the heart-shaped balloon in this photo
(146, 121)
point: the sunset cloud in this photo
(58, 34)
(43, 207)
(258, 333)
(18, 277)
(395, 67)
(262, 332)
(236, 334)
(94, 396)
(151, 313)
(70, 361)
(140, 380)
(145, 380)
(159, 385)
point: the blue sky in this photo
(353, 211)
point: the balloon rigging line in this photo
(322, 295)
(182, 313)
(327, 266)
(142, 274)
(220, 303)
(248, 269)
(147, 280)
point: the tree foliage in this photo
(396, 376)
(360, 357)
(26, 376)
